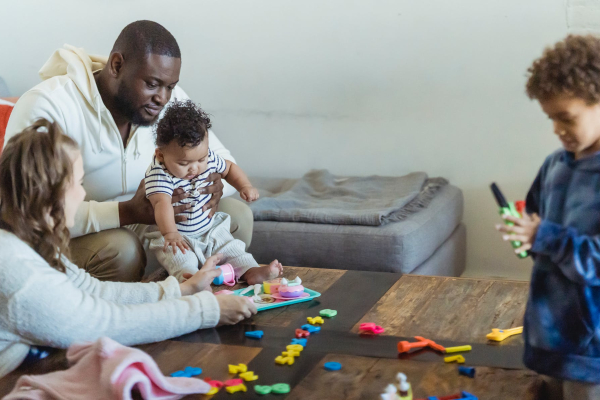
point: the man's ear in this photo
(115, 64)
(159, 155)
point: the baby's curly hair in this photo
(571, 67)
(184, 122)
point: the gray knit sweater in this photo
(42, 306)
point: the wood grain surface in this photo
(453, 309)
(366, 378)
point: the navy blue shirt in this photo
(562, 333)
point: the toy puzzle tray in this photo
(273, 301)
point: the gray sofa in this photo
(431, 241)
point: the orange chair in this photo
(5, 111)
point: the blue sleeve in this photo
(577, 256)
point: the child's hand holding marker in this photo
(524, 230)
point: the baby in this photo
(183, 159)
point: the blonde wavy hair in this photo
(36, 168)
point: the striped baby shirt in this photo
(160, 180)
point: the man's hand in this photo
(524, 230)
(216, 189)
(202, 279)
(138, 210)
(249, 193)
(175, 241)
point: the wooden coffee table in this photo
(451, 311)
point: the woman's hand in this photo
(524, 230)
(235, 309)
(176, 241)
(201, 280)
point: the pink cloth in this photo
(105, 370)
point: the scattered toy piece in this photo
(301, 342)
(332, 366)
(236, 369)
(291, 353)
(254, 334)
(294, 347)
(405, 390)
(390, 393)
(234, 382)
(311, 328)
(459, 359)
(188, 372)
(284, 360)
(280, 388)
(458, 349)
(302, 334)
(499, 335)
(404, 346)
(458, 396)
(328, 313)
(467, 371)
(213, 390)
(260, 389)
(370, 327)
(315, 320)
(248, 376)
(234, 389)
(213, 383)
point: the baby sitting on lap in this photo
(183, 159)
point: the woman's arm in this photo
(48, 309)
(123, 292)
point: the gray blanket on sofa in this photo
(322, 198)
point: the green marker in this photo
(507, 208)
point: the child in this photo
(183, 159)
(562, 226)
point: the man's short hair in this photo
(571, 67)
(141, 38)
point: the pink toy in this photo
(291, 289)
(227, 276)
(370, 327)
(234, 382)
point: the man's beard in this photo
(124, 104)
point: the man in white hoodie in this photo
(108, 106)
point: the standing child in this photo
(562, 227)
(183, 159)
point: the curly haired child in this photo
(562, 226)
(183, 159)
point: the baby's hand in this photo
(176, 241)
(524, 230)
(249, 193)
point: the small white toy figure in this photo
(404, 386)
(390, 393)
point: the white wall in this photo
(358, 87)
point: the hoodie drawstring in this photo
(136, 150)
(99, 146)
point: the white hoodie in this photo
(69, 96)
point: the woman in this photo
(47, 300)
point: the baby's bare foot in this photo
(261, 274)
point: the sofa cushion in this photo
(395, 247)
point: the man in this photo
(108, 106)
